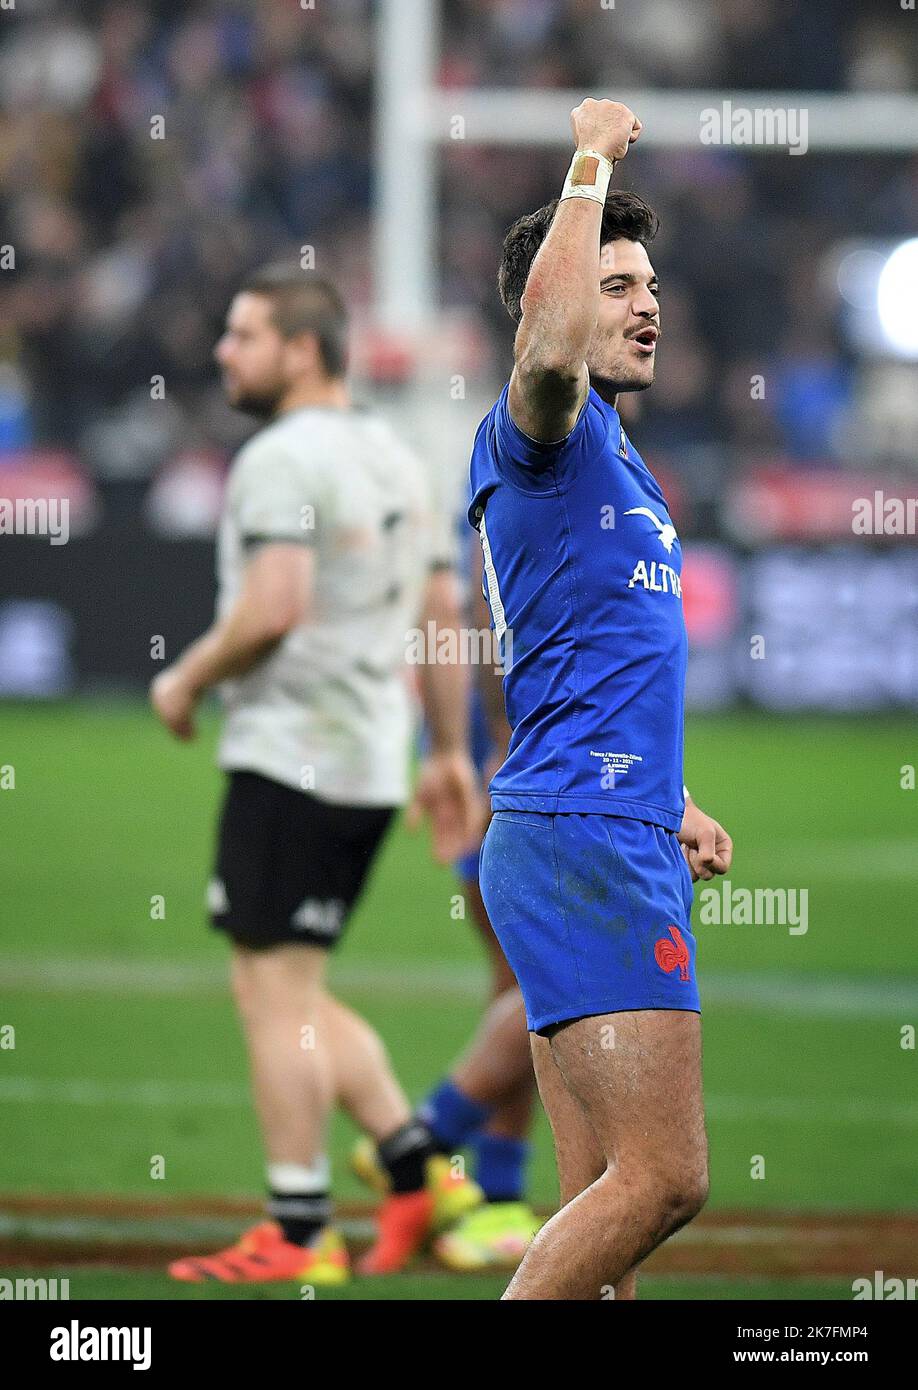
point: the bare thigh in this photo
(637, 1078)
(578, 1151)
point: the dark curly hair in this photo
(625, 217)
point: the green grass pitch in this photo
(126, 1045)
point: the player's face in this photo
(623, 348)
(253, 356)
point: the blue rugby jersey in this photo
(582, 574)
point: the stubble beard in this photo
(619, 377)
(262, 404)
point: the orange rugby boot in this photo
(407, 1220)
(262, 1255)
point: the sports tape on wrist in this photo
(588, 176)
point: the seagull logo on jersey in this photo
(666, 529)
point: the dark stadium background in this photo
(127, 251)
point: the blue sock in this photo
(500, 1166)
(451, 1115)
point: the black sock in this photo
(300, 1215)
(405, 1153)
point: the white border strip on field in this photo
(146, 1094)
(810, 996)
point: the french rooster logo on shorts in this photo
(670, 954)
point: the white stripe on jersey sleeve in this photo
(494, 598)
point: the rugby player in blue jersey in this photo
(588, 863)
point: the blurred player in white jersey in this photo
(329, 554)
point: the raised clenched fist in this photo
(606, 126)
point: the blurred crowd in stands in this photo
(128, 247)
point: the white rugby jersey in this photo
(330, 710)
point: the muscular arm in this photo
(550, 380)
(446, 790)
(275, 597)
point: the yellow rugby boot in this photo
(493, 1236)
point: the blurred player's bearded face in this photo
(622, 351)
(260, 367)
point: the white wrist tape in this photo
(588, 176)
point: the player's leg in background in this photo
(366, 1087)
(578, 1152)
(278, 991)
(307, 1052)
(365, 1084)
(642, 1098)
(486, 1101)
(486, 1104)
(493, 1084)
(279, 997)
(496, 1070)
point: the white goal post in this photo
(414, 118)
